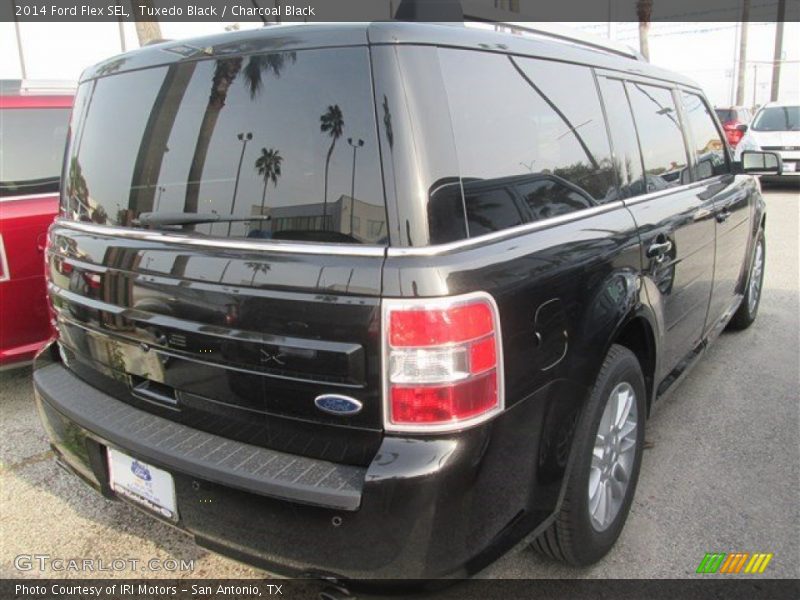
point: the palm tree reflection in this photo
(225, 72)
(268, 165)
(332, 123)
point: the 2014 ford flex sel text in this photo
(383, 300)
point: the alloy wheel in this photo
(613, 456)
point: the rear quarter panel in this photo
(563, 290)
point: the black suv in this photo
(382, 300)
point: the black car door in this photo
(732, 204)
(675, 219)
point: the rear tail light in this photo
(732, 132)
(4, 274)
(443, 363)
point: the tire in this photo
(748, 309)
(576, 537)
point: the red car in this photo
(731, 118)
(34, 117)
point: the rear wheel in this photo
(748, 309)
(608, 451)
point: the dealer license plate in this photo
(142, 483)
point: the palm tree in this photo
(644, 12)
(332, 123)
(225, 72)
(257, 267)
(268, 165)
(269, 63)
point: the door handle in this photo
(701, 213)
(659, 250)
(723, 215)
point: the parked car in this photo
(34, 116)
(776, 128)
(496, 295)
(732, 117)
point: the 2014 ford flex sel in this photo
(383, 300)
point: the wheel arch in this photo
(638, 336)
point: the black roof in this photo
(322, 35)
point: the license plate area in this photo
(143, 484)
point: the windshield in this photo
(725, 114)
(778, 118)
(279, 146)
(32, 148)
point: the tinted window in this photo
(490, 208)
(709, 148)
(660, 136)
(778, 118)
(522, 118)
(726, 115)
(627, 158)
(549, 197)
(32, 144)
(283, 142)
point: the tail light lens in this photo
(443, 362)
(4, 274)
(732, 132)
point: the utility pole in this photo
(19, 43)
(776, 65)
(122, 46)
(742, 66)
(244, 138)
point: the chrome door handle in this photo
(701, 213)
(659, 250)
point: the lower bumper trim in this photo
(198, 453)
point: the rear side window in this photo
(32, 145)
(276, 146)
(627, 158)
(525, 128)
(708, 147)
(660, 136)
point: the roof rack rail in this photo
(566, 34)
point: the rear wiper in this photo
(166, 219)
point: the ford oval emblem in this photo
(338, 405)
(141, 471)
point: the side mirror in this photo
(742, 128)
(761, 163)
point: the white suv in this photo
(775, 128)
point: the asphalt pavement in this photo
(722, 475)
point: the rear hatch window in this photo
(270, 146)
(32, 144)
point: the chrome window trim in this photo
(150, 235)
(315, 248)
(511, 232)
(387, 304)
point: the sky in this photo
(705, 52)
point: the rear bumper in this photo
(425, 508)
